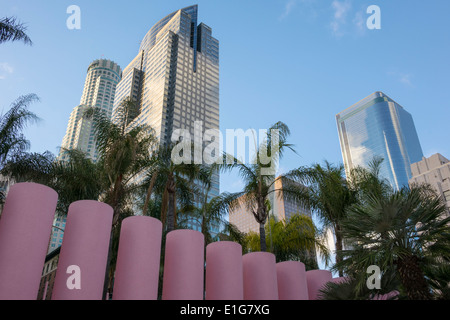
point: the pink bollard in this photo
(84, 252)
(291, 277)
(25, 228)
(260, 276)
(138, 259)
(224, 271)
(184, 266)
(316, 279)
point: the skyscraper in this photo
(99, 91)
(377, 126)
(174, 78)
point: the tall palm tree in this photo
(173, 182)
(210, 214)
(13, 30)
(12, 123)
(124, 148)
(406, 232)
(258, 177)
(329, 195)
(124, 152)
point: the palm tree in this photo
(12, 30)
(296, 239)
(211, 213)
(124, 152)
(173, 182)
(258, 177)
(12, 123)
(77, 178)
(405, 231)
(124, 148)
(329, 195)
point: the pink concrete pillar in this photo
(291, 277)
(260, 276)
(138, 259)
(224, 274)
(316, 280)
(84, 252)
(184, 265)
(25, 229)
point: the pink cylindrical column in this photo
(25, 229)
(84, 252)
(138, 259)
(291, 277)
(224, 273)
(316, 280)
(260, 276)
(184, 265)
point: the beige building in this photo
(435, 171)
(99, 91)
(174, 78)
(282, 208)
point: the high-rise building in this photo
(435, 171)
(99, 91)
(174, 79)
(377, 126)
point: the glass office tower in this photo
(377, 126)
(174, 78)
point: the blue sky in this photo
(296, 61)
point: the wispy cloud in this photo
(340, 13)
(288, 9)
(5, 70)
(360, 23)
(402, 77)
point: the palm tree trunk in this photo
(170, 213)
(108, 268)
(262, 237)
(412, 278)
(339, 247)
(149, 193)
(164, 205)
(116, 213)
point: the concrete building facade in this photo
(434, 170)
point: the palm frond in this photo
(13, 30)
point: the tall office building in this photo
(174, 78)
(99, 91)
(377, 126)
(434, 170)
